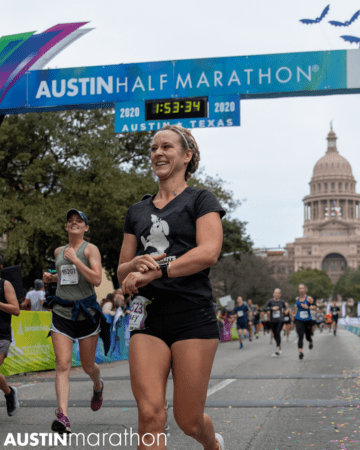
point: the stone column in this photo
(328, 208)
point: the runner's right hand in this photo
(144, 263)
(47, 277)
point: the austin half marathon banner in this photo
(32, 351)
(253, 76)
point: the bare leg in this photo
(149, 360)
(240, 336)
(193, 360)
(3, 383)
(63, 352)
(87, 349)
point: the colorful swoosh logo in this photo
(22, 52)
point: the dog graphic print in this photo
(157, 238)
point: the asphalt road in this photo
(256, 400)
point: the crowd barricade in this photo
(32, 351)
(351, 324)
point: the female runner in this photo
(303, 321)
(76, 314)
(170, 241)
(287, 321)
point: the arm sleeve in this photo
(128, 224)
(206, 202)
(267, 306)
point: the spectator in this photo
(109, 305)
(119, 299)
(102, 302)
(35, 297)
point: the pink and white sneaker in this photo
(61, 424)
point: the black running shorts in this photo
(74, 329)
(199, 323)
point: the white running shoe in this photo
(220, 440)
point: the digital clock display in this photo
(176, 108)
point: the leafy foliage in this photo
(317, 281)
(251, 278)
(348, 285)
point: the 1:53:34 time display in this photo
(176, 107)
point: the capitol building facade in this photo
(331, 240)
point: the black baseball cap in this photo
(76, 211)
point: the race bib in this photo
(240, 313)
(138, 313)
(286, 319)
(276, 314)
(68, 274)
(304, 314)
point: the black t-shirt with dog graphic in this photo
(172, 230)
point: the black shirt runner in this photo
(172, 230)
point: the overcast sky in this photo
(269, 159)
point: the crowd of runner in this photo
(277, 318)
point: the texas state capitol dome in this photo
(331, 240)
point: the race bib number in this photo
(138, 313)
(276, 314)
(240, 313)
(304, 314)
(286, 319)
(68, 275)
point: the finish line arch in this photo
(172, 87)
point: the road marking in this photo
(219, 386)
(296, 403)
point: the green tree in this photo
(317, 281)
(250, 277)
(53, 161)
(348, 285)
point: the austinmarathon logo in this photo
(22, 52)
(127, 438)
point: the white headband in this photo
(178, 131)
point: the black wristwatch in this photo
(163, 268)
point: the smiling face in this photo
(76, 226)
(168, 158)
(239, 301)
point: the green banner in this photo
(30, 350)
